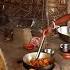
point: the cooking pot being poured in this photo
(64, 33)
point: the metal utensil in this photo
(39, 50)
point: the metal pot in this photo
(30, 56)
(65, 50)
(64, 33)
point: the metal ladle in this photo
(40, 47)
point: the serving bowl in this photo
(30, 56)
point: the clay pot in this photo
(23, 36)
